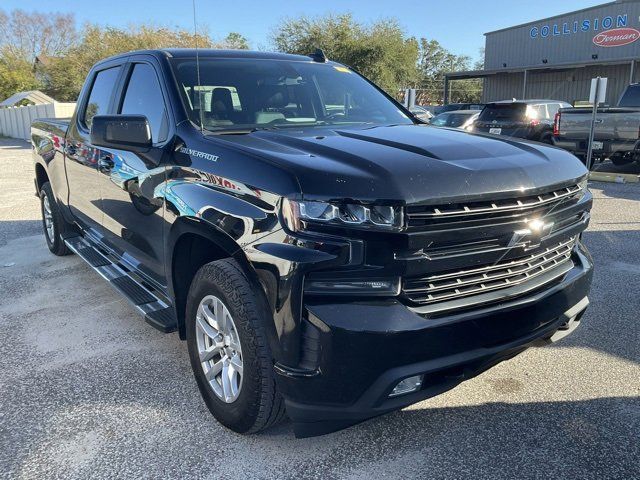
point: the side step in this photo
(156, 312)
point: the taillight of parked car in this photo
(556, 124)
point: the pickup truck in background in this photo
(616, 134)
(324, 254)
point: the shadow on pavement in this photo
(13, 144)
(13, 229)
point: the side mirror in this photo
(123, 132)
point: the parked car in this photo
(450, 107)
(421, 113)
(529, 119)
(462, 119)
(322, 253)
(616, 134)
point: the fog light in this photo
(375, 287)
(408, 385)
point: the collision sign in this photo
(616, 37)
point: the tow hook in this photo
(572, 321)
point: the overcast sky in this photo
(457, 24)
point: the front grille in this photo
(421, 215)
(458, 284)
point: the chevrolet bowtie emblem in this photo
(531, 236)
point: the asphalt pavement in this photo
(88, 390)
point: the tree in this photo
(380, 51)
(16, 75)
(434, 61)
(65, 75)
(27, 35)
(235, 41)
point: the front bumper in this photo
(366, 347)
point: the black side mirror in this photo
(123, 132)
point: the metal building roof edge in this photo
(532, 22)
(559, 66)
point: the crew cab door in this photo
(133, 216)
(81, 158)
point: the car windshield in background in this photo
(450, 119)
(238, 94)
(500, 112)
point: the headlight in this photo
(383, 217)
(583, 184)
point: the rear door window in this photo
(100, 95)
(512, 112)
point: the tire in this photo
(619, 160)
(53, 223)
(547, 138)
(257, 404)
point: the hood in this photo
(409, 163)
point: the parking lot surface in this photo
(88, 390)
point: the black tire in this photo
(619, 160)
(60, 225)
(258, 405)
(547, 138)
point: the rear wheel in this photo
(228, 348)
(53, 223)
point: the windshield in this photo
(451, 119)
(255, 93)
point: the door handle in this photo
(105, 164)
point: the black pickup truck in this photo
(324, 254)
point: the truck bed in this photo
(616, 132)
(612, 123)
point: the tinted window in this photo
(507, 111)
(246, 93)
(98, 103)
(538, 112)
(631, 97)
(144, 97)
(553, 109)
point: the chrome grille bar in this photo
(464, 283)
(497, 206)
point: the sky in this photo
(458, 25)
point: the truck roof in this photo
(212, 53)
(527, 101)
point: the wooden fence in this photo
(15, 122)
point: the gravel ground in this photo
(88, 390)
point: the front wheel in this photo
(228, 348)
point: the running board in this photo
(155, 311)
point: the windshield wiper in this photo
(236, 131)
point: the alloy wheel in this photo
(48, 218)
(219, 348)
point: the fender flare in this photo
(197, 226)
